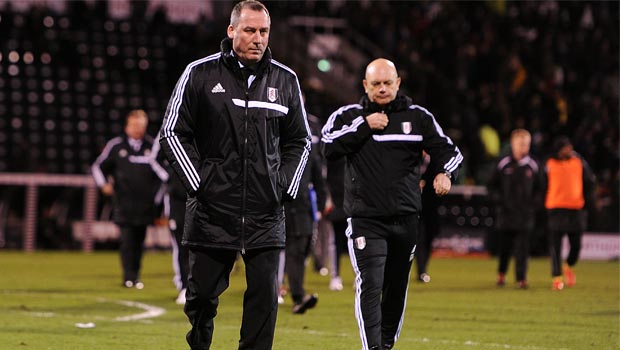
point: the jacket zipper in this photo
(245, 170)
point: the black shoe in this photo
(308, 302)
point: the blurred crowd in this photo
(483, 69)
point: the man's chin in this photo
(251, 59)
(382, 101)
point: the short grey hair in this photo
(253, 5)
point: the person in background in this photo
(569, 189)
(175, 212)
(127, 170)
(429, 222)
(236, 134)
(382, 139)
(338, 221)
(516, 188)
(301, 217)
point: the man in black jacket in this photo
(235, 131)
(175, 212)
(128, 171)
(382, 139)
(516, 186)
(301, 214)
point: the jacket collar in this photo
(231, 61)
(400, 103)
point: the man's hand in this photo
(442, 184)
(377, 121)
(107, 189)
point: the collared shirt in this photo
(251, 77)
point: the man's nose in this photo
(257, 38)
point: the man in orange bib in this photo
(570, 186)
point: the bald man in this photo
(382, 139)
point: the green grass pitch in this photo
(43, 295)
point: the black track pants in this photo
(514, 242)
(131, 249)
(381, 252)
(208, 279)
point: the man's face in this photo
(520, 146)
(381, 83)
(251, 35)
(136, 127)
(566, 151)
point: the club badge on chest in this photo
(406, 127)
(272, 94)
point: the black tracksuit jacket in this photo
(382, 174)
(239, 151)
(517, 190)
(138, 177)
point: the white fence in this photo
(33, 182)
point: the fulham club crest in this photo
(272, 94)
(406, 126)
(360, 243)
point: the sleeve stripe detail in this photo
(527, 160)
(157, 168)
(502, 163)
(168, 128)
(332, 118)
(294, 186)
(184, 162)
(96, 167)
(283, 67)
(455, 161)
(162, 174)
(328, 137)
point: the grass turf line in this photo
(44, 295)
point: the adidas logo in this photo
(218, 88)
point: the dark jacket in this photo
(138, 178)
(517, 190)
(239, 151)
(300, 211)
(382, 176)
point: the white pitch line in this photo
(150, 310)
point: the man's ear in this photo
(230, 32)
(364, 83)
